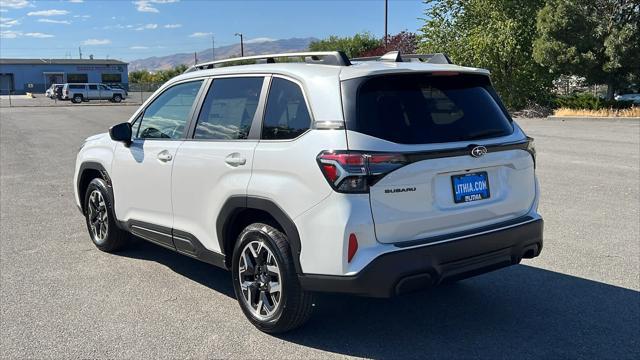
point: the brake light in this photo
(354, 172)
(531, 149)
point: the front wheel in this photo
(117, 98)
(265, 281)
(100, 218)
(77, 99)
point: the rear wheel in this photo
(101, 222)
(265, 281)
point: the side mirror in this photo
(121, 132)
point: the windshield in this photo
(422, 109)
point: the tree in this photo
(494, 34)
(598, 39)
(352, 46)
(405, 42)
(160, 76)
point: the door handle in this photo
(235, 159)
(164, 156)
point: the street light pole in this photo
(386, 10)
(213, 48)
(241, 45)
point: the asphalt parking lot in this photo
(61, 297)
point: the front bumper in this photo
(424, 266)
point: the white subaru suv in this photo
(311, 172)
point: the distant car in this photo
(78, 93)
(52, 91)
(119, 87)
(635, 98)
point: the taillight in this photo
(531, 149)
(354, 172)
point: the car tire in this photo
(77, 99)
(262, 263)
(100, 219)
(117, 98)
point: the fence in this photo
(137, 94)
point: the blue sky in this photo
(126, 29)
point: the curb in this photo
(587, 118)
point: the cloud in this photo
(200, 34)
(172, 26)
(259, 40)
(138, 47)
(147, 27)
(76, 1)
(146, 5)
(51, 21)
(15, 4)
(47, 13)
(10, 34)
(38, 35)
(7, 22)
(95, 42)
(82, 16)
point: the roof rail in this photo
(395, 56)
(337, 58)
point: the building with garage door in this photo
(18, 76)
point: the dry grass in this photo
(632, 112)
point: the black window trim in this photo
(256, 123)
(192, 112)
(306, 101)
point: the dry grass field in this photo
(632, 112)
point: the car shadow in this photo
(517, 312)
(520, 311)
(198, 271)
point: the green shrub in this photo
(589, 102)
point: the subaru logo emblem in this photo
(478, 151)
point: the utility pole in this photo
(386, 11)
(80, 52)
(213, 48)
(241, 45)
(195, 58)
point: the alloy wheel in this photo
(260, 279)
(97, 216)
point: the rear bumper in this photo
(421, 267)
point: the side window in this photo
(286, 115)
(93, 87)
(166, 116)
(229, 108)
(102, 87)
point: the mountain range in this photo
(223, 52)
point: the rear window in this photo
(422, 109)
